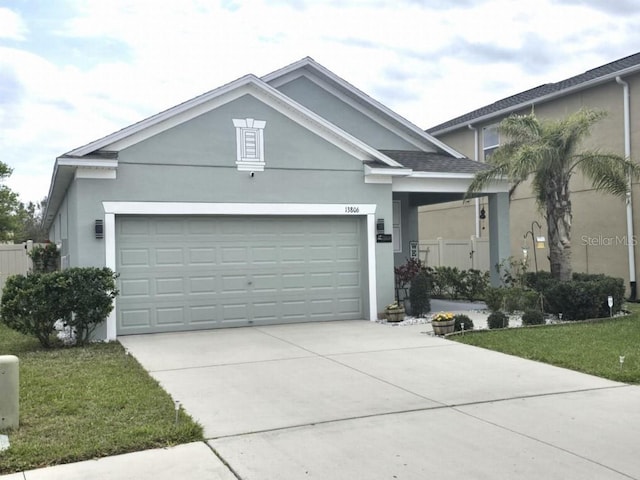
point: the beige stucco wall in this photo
(599, 242)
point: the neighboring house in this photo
(605, 228)
(286, 198)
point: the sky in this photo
(73, 71)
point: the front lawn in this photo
(83, 403)
(592, 347)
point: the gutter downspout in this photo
(629, 202)
(475, 157)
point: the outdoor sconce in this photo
(380, 225)
(98, 229)
(540, 242)
(483, 214)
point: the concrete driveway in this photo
(361, 400)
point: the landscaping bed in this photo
(86, 402)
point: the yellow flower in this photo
(442, 317)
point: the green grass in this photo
(83, 403)
(593, 347)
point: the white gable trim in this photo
(319, 76)
(112, 209)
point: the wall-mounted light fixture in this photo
(98, 228)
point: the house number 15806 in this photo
(351, 209)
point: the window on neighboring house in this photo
(397, 227)
(490, 140)
(250, 144)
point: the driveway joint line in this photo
(544, 442)
(215, 365)
(223, 460)
(438, 406)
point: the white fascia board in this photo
(545, 98)
(289, 73)
(87, 162)
(196, 208)
(387, 172)
(443, 185)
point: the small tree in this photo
(549, 152)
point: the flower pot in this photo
(443, 328)
(395, 315)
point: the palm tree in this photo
(548, 152)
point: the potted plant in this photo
(443, 323)
(394, 312)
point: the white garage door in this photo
(187, 273)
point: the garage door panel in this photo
(202, 285)
(169, 257)
(202, 256)
(132, 318)
(203, 314)
(206, 272)
(170, 316)
(169, 227)
(138, 257)
(170, 286)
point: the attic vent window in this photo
(250, 144)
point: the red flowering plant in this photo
(404, 275)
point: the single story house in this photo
(286, 198)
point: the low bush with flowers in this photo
(442, 317)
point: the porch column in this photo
(499, 241)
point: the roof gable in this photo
(354, 97)
(249, 84)
(595, 76)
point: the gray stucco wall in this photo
(343, 115)
(195, 162)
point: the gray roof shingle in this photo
(434, 162)
(541, 91)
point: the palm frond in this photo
(607, 172)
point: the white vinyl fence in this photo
(14, 260)
(464, 254)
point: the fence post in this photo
(9, 382)
(440, 250)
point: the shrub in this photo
(420, 294)
(474, 283)
(80, 297)
(462, 320)
(493, 297)
(497, 320)
(90, 297)
(448, 282)
(533, 317)
(31, 304)
(584, 297)
(519, 299)
(45, 259)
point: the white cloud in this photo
(11, 25)
(109, 64)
